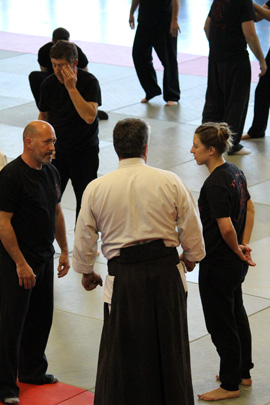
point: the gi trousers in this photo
(159, 38)
(144, 352)
(261, 104)
(80, 167)
(25, 323)
(220, 284)
(227, 95)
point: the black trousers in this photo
(261, 104)
(226, 318)
(159, 38)
(144, 350)
(25, 323)
(35, 80)
(227, 95)
(80, 167)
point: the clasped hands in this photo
(246, 254)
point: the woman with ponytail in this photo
(227, 215)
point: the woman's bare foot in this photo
(144, 101)
(245, 137)
(218, 394)
(170, 103)
(247, 382)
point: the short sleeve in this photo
(90, 89)
(44, 56)
(82, 59)
(247, 12)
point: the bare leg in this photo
(247, 382)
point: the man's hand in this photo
(63, 265)
(91, 281)
(69, 77)
(174, 28)
(27, 278)
(131, 21)
(263, 68)
(189, 264)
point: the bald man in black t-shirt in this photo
(30, 218)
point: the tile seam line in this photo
(80, 315)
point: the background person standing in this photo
(157, 28)
(229, 27)
(262, 92)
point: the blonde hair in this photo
(216, 134)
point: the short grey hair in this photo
(130, 136)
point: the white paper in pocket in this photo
(182, 270)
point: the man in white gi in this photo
(143, 214)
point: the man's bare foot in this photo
(144, 101)
(218, 394)
(245, 137)
(247, 382)
(170, 103)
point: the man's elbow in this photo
(90, 117)
(89, 120)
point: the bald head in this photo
(38, 138)
(36, 128)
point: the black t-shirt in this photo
(268, 3)
(72, 132)
(152, 12)
(45, 60)
(31, 195)
(224, 194)
(226, 37)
